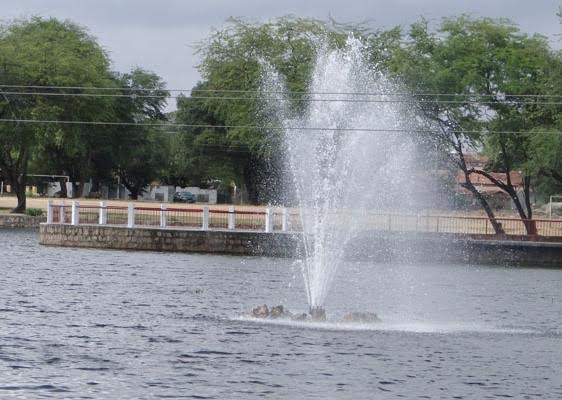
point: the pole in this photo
(50, 211)
(75, 219)
(103, 213)
(163, 212)
(130, 215)
(231, 217)
(268, 220)
(205, 222)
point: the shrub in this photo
(34, 212)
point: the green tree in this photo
(139, 153)
(427, 64)
(232, 67)
(478, 62)
(47, 52)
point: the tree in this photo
(47, 52)
(233, 63)
(478, 62)
(139, 153)
(206, 154)
(510, 69)
(545, 149)
(426, 64)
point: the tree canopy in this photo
(480, 84)
(42, 61)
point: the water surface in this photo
(82, 324)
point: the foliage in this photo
(233, 63)
(138, 153)
(48, 52)
(34, 212)
(55, 54)
(478, 62)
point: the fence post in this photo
(49, 211)
(61, 213)
(285, 219)
(130, 215)
(389, 222)
(205, 222)
(268, 220)
(437, 229)
(231, 217)
(75, 219)
(103, 214)
(163, 215)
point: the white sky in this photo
(158, 35)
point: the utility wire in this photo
(498, 96)
(230, 98)
(292, 128)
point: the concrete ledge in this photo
(157, 239)
(406, 247)
(20, 221)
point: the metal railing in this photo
(283, 219)
(203, 218)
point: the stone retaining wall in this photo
(380, 246)
(156, 239)
(20, 221)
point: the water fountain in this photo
(348, 153)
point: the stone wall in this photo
(20, 221)
(155, 239)
(378, 246)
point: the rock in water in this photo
(279, 312)
(261, 311)
(363, 317)
(318, 314)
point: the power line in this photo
(500, 96)
(291, 128)
(304, 100)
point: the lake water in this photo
(83, 324)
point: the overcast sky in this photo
(158, 35)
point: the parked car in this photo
(184, 197)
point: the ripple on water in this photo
(166, 331)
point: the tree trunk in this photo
(498, 229)
(63, 191)
(18, 183)
(530, 226)
(526, 217)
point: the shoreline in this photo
(404, 247)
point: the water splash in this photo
(341, 174)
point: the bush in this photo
(34, 212)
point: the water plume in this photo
(341, 171)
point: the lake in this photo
(101, 324)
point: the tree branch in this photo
(508, 189)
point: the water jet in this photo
(341, 171)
